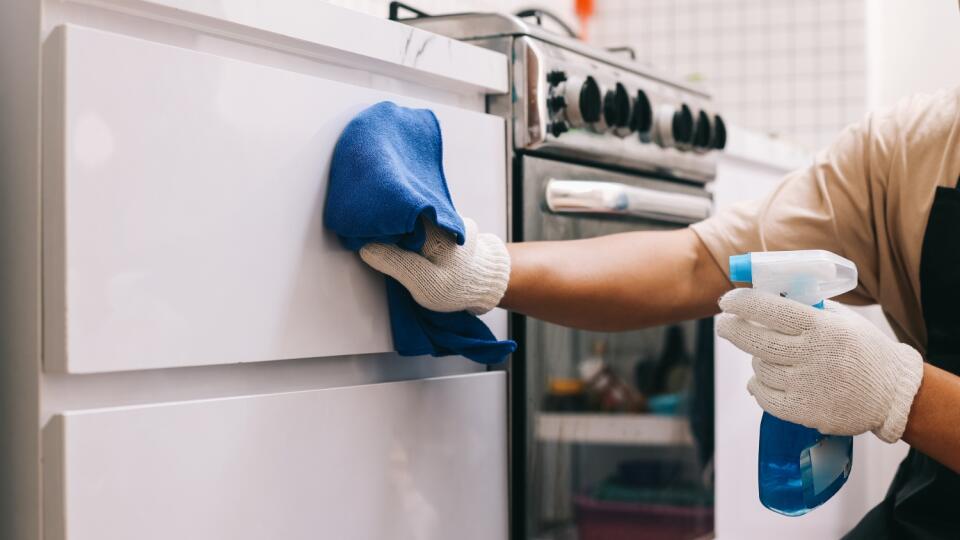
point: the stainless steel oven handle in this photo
(593, 197)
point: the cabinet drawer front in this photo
(183, 198)
(417, 459)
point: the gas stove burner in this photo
(585, 104)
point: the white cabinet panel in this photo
(414, 460)
(183, 198)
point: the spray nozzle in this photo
(808, 276)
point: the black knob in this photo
(642, 119)
(556, 77)
(556, 103)
(702, 133)
(558, 128)
(616, 107)
(683, 125)
(719, 133)
(590, 102)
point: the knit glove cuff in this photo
(491, 274)
(909, 376)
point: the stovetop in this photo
(482, 26)
(575, 101)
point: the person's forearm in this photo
(933, 426)
(617, 282)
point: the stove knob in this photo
(682, 126)
(582, 102)
(558, 128)
(617, 110)
(590, 101)
(556, 77)
(702, 132)
(673, 127)
(719, 140)
(642, 119)
(556, 104)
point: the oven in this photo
(611, 434)
(586, 462)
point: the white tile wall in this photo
(795, 69)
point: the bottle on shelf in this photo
(565, 395)
(674, 367)
(605, 390)
(666, 380)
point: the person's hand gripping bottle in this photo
(799, 467)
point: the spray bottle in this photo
(799, 467)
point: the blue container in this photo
(799, 468)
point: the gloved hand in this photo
(830, 370)
(445, 276)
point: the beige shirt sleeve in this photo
(828, 205)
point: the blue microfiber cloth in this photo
(386, 174)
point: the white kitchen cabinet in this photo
(414, 460)
(184, 223)
(186, 348)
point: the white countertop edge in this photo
(380, 44)
(759, 148)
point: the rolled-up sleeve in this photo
(828, 205)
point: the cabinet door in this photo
(416, 460)
(183, 199)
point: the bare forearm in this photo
(617, 282)
(933, 426)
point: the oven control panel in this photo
(621, 111)
(583, 104)
(576, 106)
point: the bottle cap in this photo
(741, 269)
(590, 367)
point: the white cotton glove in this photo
(445, 276)
(830, 370)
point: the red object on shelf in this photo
(584, 10)
(613, 520)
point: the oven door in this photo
(612, 433)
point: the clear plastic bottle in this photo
(799, 468)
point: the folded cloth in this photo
(385, 178)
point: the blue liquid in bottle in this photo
(800, 468)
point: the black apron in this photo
(924, 498)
